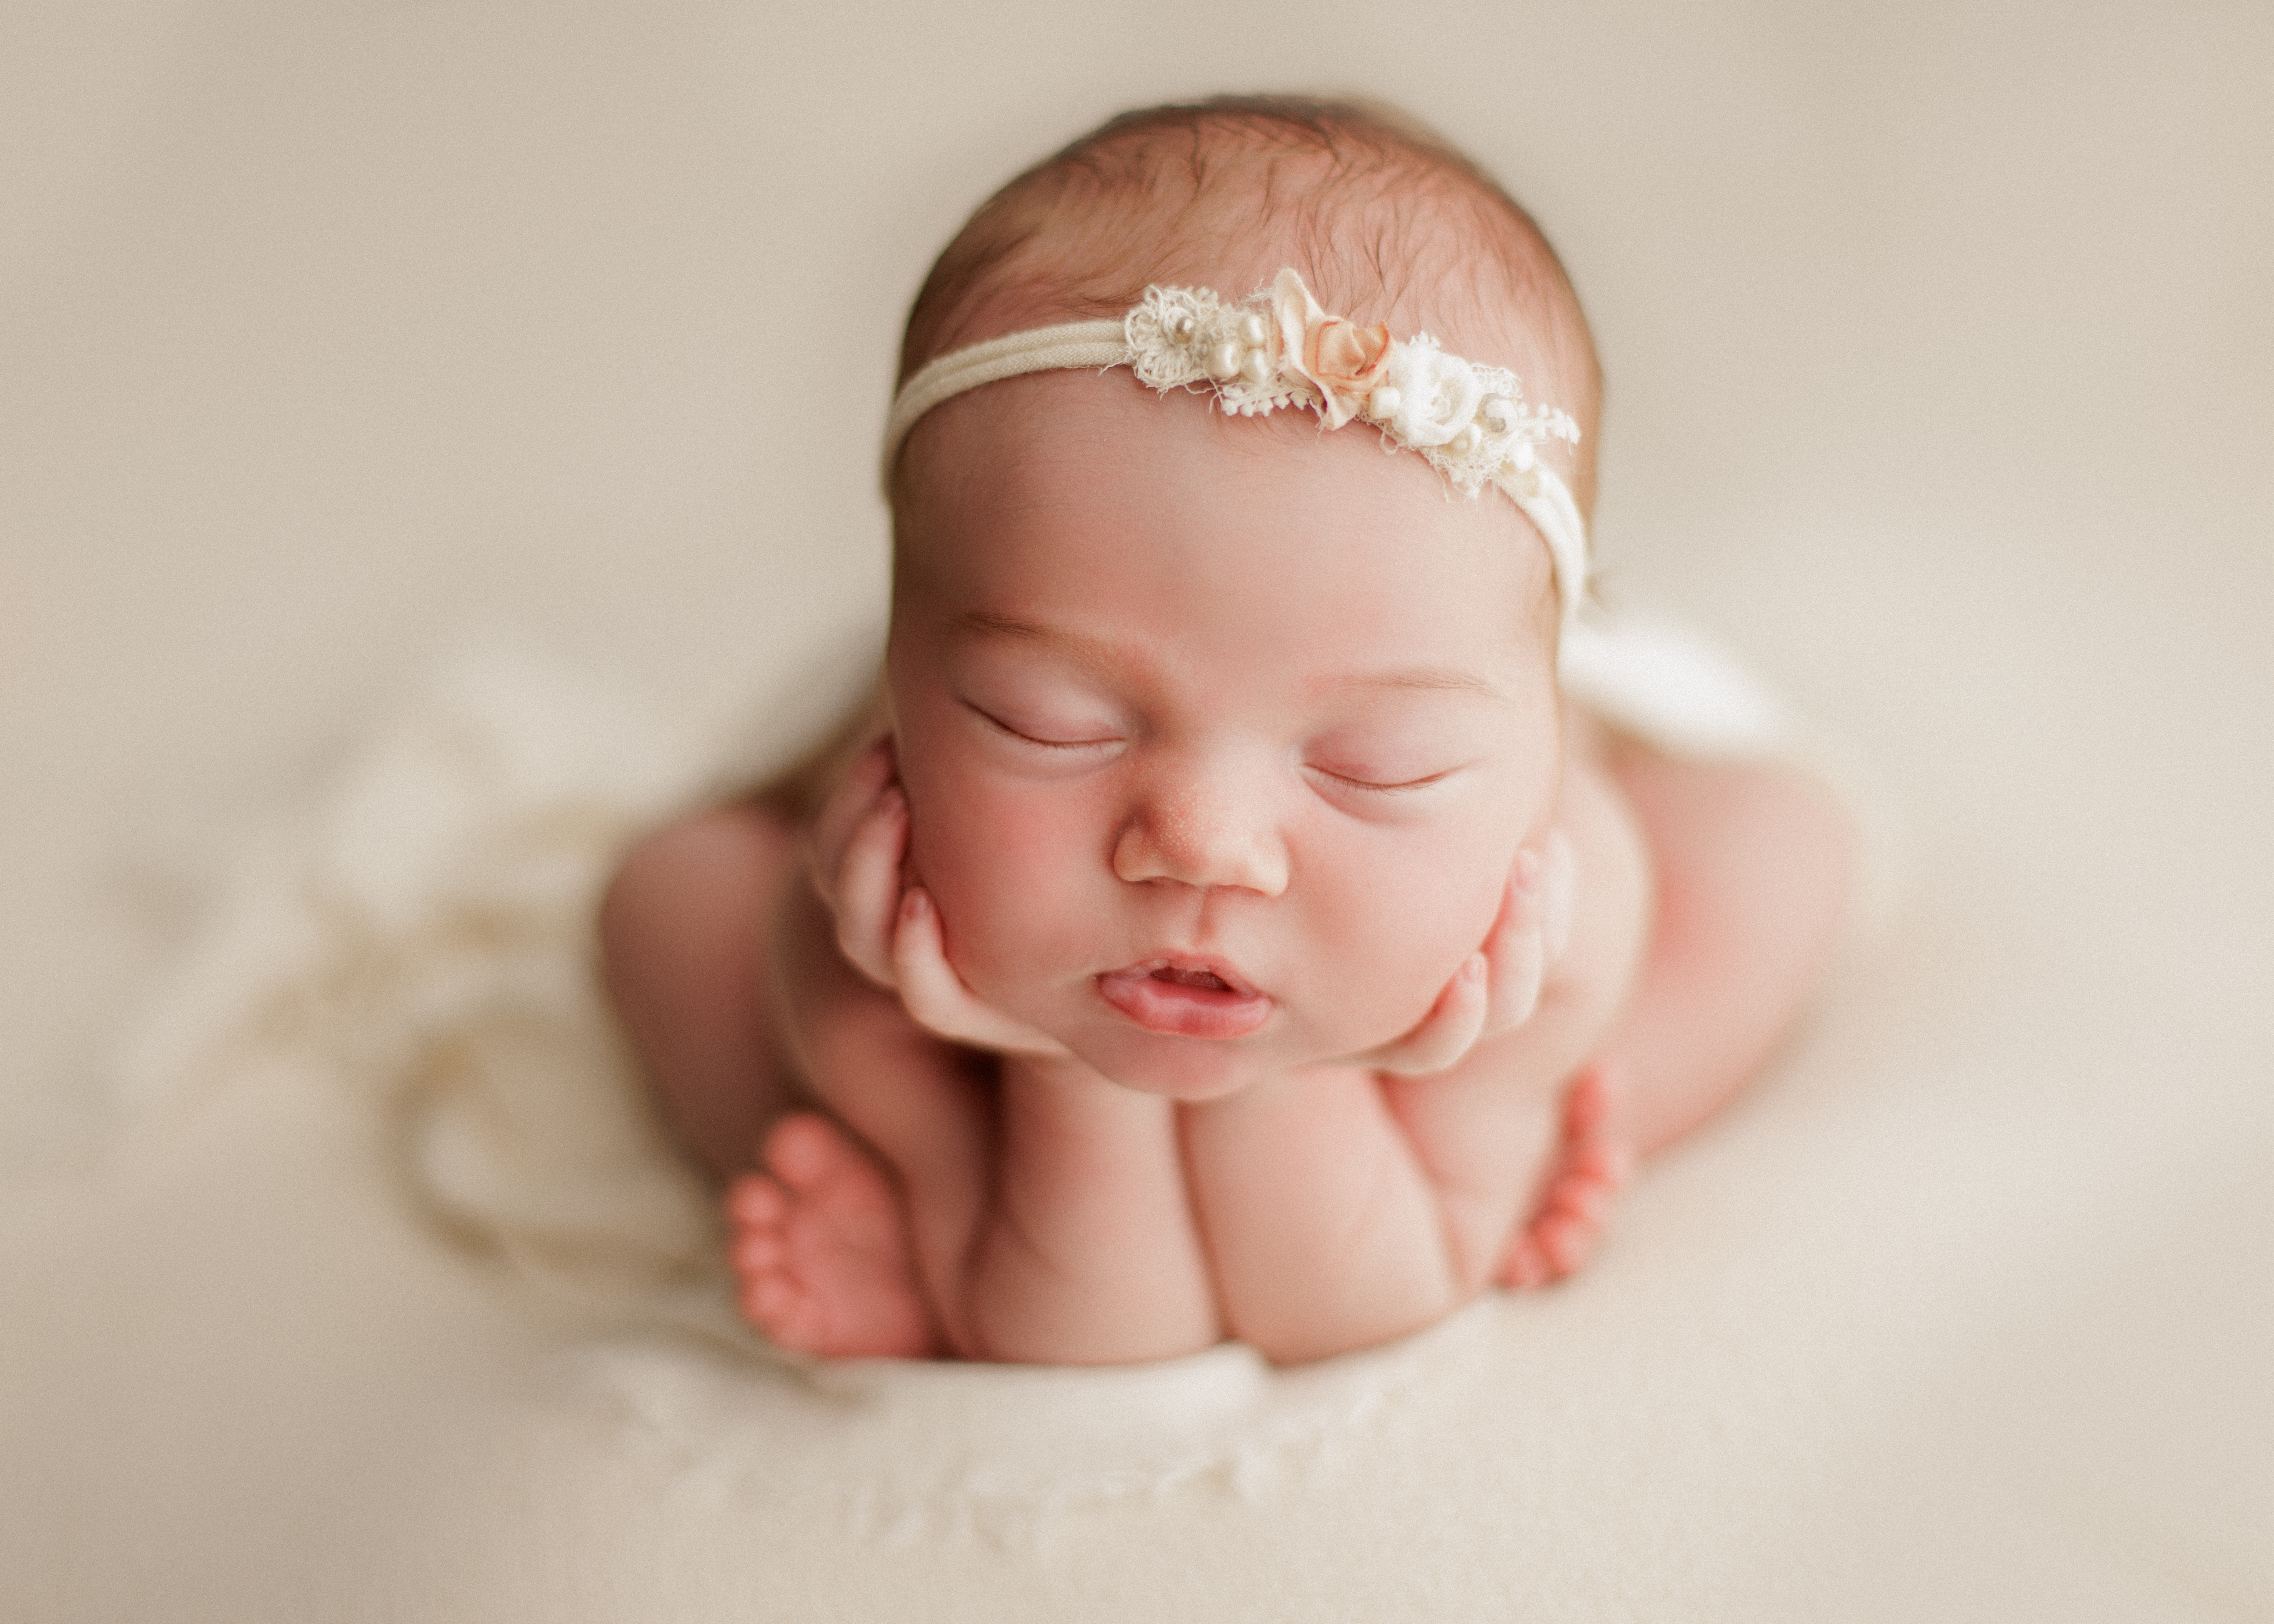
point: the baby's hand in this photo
(854, 855)
(1497, 988)
(890, 930)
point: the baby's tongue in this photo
(1192, 978)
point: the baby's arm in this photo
(1087, 1250)
(1341, 1205)
(718, 961)
(1346, 1204)
(1048, 1213)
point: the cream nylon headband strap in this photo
(1278, 349)
(1083, 346)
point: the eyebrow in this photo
(987, 624)
(1086, 652)
(1426, 679)
(1421, 679)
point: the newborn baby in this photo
(1220, 923)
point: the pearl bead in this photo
(1466, 442)
(1252, 330)
(1256, 368)
(1383, 404)
(1499, 413)
(1224, 361)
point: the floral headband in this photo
(1279, 349)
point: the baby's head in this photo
(1385, 221)
(1220, 734)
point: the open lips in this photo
(1186, 997)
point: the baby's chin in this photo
(1188, 1070)
(1193, 1069)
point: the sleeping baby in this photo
(1222, 922)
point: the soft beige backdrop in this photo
(337, 338)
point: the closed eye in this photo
(1005, 728)
(1370, 787)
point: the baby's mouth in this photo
(1185, 999)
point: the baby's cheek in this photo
(1006, 872)
(1404, 923)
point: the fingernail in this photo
(1527, 868)
(1472, 968)
(915, 906)
(893, 802)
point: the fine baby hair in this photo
(1380, 214)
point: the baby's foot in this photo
(819, 1249)
(1590, 1167)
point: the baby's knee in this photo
(711, 874)
(1804, 837)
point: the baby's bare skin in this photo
(1756, 852)
(1066, 1231)
(1420, 1117)
(1239, 936)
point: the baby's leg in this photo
(688, 929)
(1755, 862)
(684, 935)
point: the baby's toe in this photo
(1523, 1268)
(1578, 1202)
(1564, 1243)
(759, 1251)
(767, 1300)
(801, 1149)
(754, 1200)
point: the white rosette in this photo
(1437, 394)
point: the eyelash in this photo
(1363, 786)
(1405, 788)
(1004, 727)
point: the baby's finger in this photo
(937, 999)
(1448, 1031)
(848, 805)
(1559, 891)
(866, 898)
(1516, 950)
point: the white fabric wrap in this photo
(1168, 339)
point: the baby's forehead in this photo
(1002, 489)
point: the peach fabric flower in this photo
(1342, 360)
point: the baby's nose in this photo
(1204, 833)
